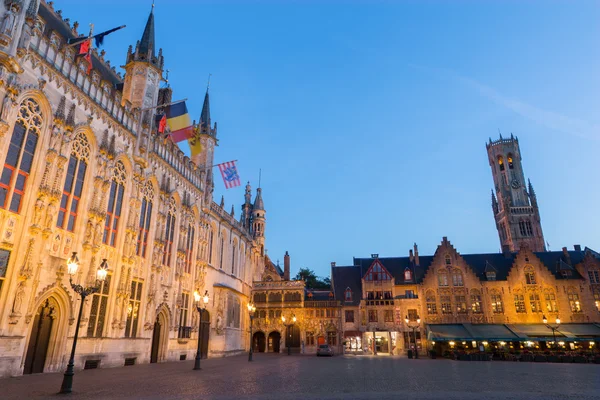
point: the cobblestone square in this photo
(308, 377)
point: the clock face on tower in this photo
(515, 184)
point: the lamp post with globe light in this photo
(200, 300)
(251, 311)
(101, 272)
(414, 327)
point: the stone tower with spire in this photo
(143, 70)
(259, 220)
(514, 202)
(207, 134)
(247, 208)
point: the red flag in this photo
(88, 58)
(85, 47)
(162, 124)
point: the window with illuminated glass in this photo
(457, 277)
(520, 303)
(20, 154)
(476, 301)
(461, 304)
(115, 203)
(145, 218)
(529, 275)
(169, 233)
(133, 309)
(551, 304)
(574, 302)
(98, 310)
(446, 304)
(497, 306)
(73, 188)
(596, 298)
(534, 302)
(431, 302)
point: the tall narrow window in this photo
(551, 305)
(348, 294)
(574, 303)
(446, 304)
(133, 309)
(510, 161)
(461, 304)
(534, 302)
(210, 246)
(501, 163)
(4, 257)
(98, 310)
(183, 315)
(476, 302)
(145, 217)
(431, 303)
(19, 157)
(221, 254)
(189, 248)
(520, 304)
(71, 196)
(457, 277)
(497, 306)
(529, 275)
(594, 276)
(169, 234)
(115, 203)
(443, 278)
(233, 249)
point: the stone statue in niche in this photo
(37, 213)
(7, 106)
(18, 302)
(8, 24)
(55, 137)
(50, 215)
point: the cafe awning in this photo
(447, 332)
(581, 331)
(511, 332)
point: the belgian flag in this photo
(179, 122)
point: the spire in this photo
(147, 42)
(71, 116)
(248, 194)
(205, 115)
(258, 201)
(60, 110)
(532, 196)
(494, 203)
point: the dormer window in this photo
(348, 295)
(448, 260)
(377, 274)
(490, 275)
(566, 273)
(407, 275)
(529, 275)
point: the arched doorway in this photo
(205, 334)
(274, 342)
(293, 336)
(39, 340)
(159, 338)
(258, 341)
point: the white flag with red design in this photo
(230, 174)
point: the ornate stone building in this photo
(83, 171)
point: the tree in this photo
(312, 280)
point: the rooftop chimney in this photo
(566, 256)
(333, 264)
(410, 256)
(286, 266)
(577, 247)
(416, 254)
(506, 250)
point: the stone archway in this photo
(47, 338)
(160, 336)
(258, 341)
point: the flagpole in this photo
(216, 165)
(163, 105)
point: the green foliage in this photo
(312, 280)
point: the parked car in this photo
(324, 350)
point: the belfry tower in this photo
(514, 202)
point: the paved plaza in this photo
(308, 377)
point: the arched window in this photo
(260, 298)
(189, 247)
(509, 158)
(221, 252)
(596, 298)
(169, 233)
(443, 278)
(529, 275)
(115, 203)
(145, 217)
(476, 301)
(501, 163)
(457, 277)
(276, 297)
(573, 296)
(73, 188)
(497, 306)
(431, 303)
(19, 157)
(445, 302)
(550, 297)
(520, 303)
(269, 278)
(594, 275)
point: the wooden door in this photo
(205, 334)
(39, 340)
(155, 342)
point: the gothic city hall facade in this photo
(84, 172)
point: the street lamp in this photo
(289, 339)
(554, 328)
(204, 300)
(101, 272)
(414, 327)
(251, 311)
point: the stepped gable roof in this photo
(552, 260)
(347, 277)
(54, 22)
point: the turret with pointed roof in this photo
(145, 48)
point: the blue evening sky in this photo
(369, 119)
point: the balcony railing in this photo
(314, 303)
